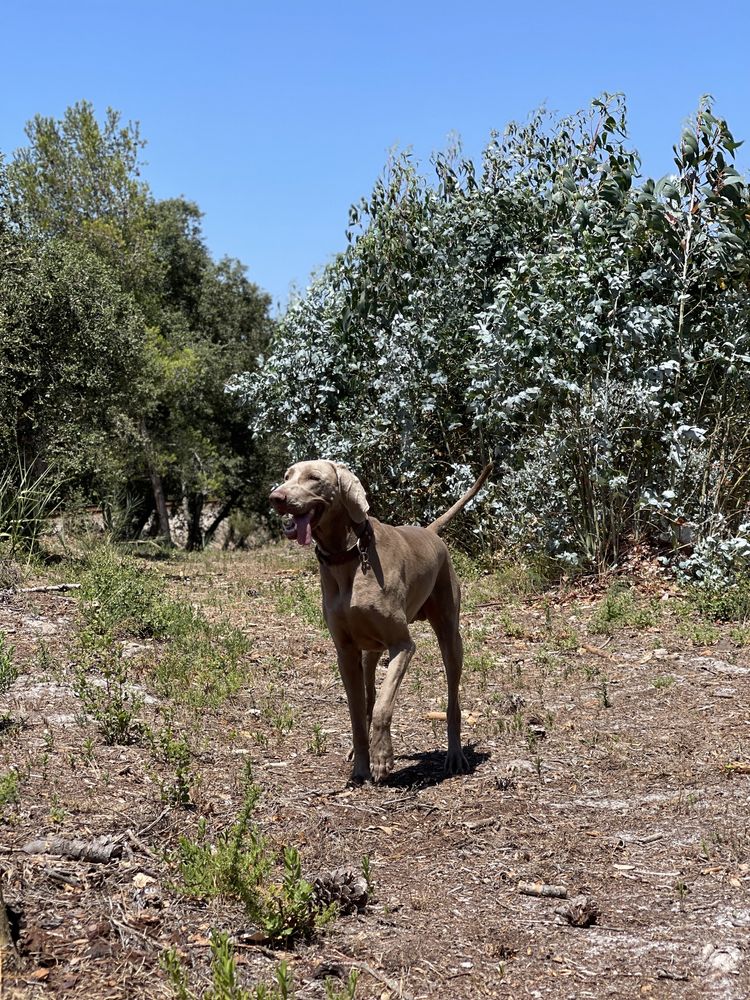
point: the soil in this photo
(614, 766)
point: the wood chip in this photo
(542, 889)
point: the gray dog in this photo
(377, 579)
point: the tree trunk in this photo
(160, 501)
(221, 515)
(194, 504)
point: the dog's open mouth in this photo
(299, 526)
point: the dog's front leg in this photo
(350, 668)
(381, 747)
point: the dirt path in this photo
(613, 765)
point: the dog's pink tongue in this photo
(304, 531)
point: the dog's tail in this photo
(438, 525)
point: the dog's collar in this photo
(360, 550)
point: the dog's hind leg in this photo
(442, 611)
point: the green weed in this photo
(302, 599)
(8, 669)
(729, 602)
(174, 752)
(110, 698)
(239, 864)
(621, 609)
(9, 786)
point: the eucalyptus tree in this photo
(586, 327)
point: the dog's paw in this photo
(360, 778)
(381, 759)
(456, 762)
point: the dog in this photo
(376, 579)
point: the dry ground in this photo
(613, 765)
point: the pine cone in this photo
(343, 886)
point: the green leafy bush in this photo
(588, 329)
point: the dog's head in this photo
(312, 492)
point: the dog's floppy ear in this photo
(352, 494)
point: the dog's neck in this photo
(334, 536)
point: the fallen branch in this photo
(51, 588)
(542, 889)
(100, 851)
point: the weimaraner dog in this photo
(377, 579)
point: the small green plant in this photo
(174, 751)
(663, 681)
(110, 698)
(620, 609)
(740, 636)
(8, 670)
(224, 980)
(301, 599)
(604, 693)
(318, 742)
(367, 874)
(239, 864)
(700, 633)
(9, 785)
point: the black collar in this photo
(365, 536)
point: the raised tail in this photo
(438, 525)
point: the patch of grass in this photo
(302, 599)
(198, 662)
(109, 697)
(9, 788)
(8, 669)
(239, 864)
(700, 633)
(28, 500)
(225, 982)
(740, 636)
(203, 667)
(728, 602)
(621, 609)
(664, 681)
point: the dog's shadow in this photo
(428, 768)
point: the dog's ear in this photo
(352, 494)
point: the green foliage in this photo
(621, 609)
(724, 600)
(301, 598)
(239, 865)
(588, 330)
(197, 662)
(174, 751)
(120, 597)
(118, 331)
(8, 669)
(9, 785)
(107, 694)
(224, 984)
(28, 500)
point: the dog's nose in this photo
(278, 498)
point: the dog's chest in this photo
(360, 614)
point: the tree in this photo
(586, 330)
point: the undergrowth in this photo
(240, 864)
(193, 660)
(224, 979)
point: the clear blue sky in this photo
(275, 117)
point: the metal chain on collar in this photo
(363, 544)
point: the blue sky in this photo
(274, 117)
